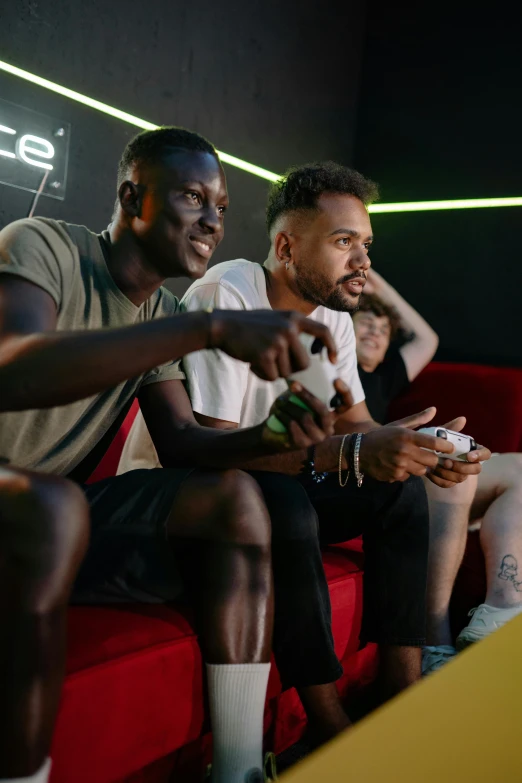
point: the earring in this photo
(287, 265)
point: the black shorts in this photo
(129, 557)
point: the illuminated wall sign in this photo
(34, 148)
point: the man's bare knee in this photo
(43, 534)
(67, 507)
(512, 470)
(244, 508)
(459, 495)
(501, 474)
(225, 505)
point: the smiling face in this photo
(179, 222)
(329, 250)
(372, 335)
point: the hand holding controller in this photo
(318, 379)
(462, 444)
(320, 374)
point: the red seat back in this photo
(489, 397)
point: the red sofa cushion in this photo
(489, 397)
(134, 691)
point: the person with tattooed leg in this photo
(491, 499)
(493, 502)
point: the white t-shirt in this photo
(225, 388)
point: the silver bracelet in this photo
(356, 459)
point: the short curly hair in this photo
(301, 186)
(369, 303)
(149, 146)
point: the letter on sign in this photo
(25, 148)
(12, 132)
(33, 145)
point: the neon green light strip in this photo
(463, 203)
(408, 206)
(123, 115)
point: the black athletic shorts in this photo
(129, 557)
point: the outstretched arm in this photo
(420, 350)
(41, 367)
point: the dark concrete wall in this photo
(437, 113)
(268, 81)
(440, 117)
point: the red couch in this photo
(133, 707)
(491, 400)
(489, 397)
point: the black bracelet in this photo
(309, 467)
(350, 454)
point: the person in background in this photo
(384, 369)
(86, 326)
(491, 501)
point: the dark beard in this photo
(315, 289)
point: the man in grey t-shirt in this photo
(85, 327)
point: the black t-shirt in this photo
(384, 384)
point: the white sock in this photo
(42, 776)
(237, 694)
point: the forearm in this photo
(291, 463)
(49, 369)
(326, 453)
(249, 449)
(208, 447)
(343, 427)
(246, 449)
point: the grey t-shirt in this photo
(68, 262)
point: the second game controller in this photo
(463, 444)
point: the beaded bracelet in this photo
(309, 467)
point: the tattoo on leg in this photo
(509, 571)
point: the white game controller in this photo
(319, 376)
(463, 443)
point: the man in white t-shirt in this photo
(320, 235)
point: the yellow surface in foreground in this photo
(463, 723)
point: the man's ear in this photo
(283, 247)
(130, 197)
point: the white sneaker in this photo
(266, 775)
(484, 620)
(433, 658)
